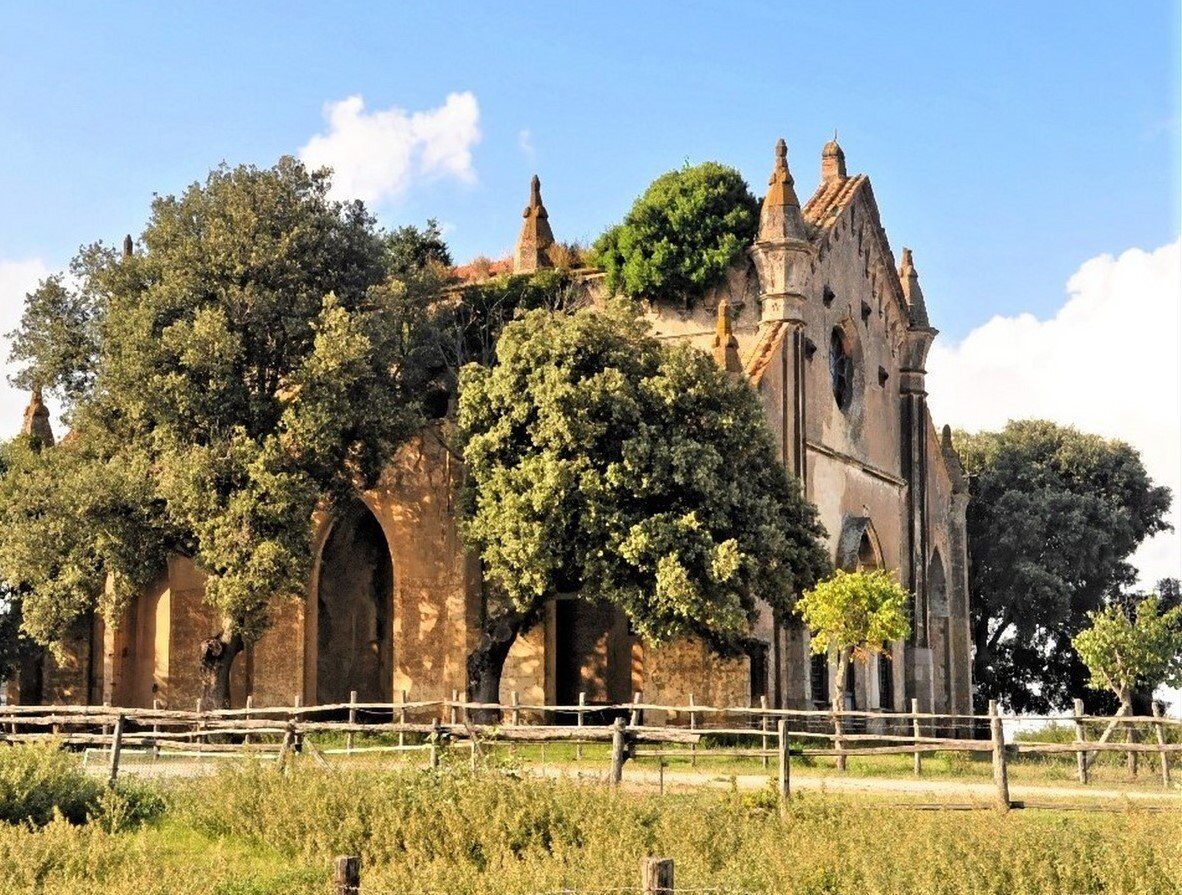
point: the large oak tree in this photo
(1054, 516)
(249, 362)
(604, 463)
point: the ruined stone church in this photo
(833, 335)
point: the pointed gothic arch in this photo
(354, 609)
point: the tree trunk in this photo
(843, 662)
(1126, 705)
(217, 660)
(838, 702)
(486, 662)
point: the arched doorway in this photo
(354, 610)
(868, 684)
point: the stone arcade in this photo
(833, 336)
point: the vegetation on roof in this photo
(681, 235)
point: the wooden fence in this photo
(632, 729)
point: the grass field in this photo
(257, 829)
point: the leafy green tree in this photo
(410, 251)
(1055, 513)
(1125, 651)
(251, 363)
(681, 236)
(604, 463)
(855, 614)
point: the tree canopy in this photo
(681, 235)
(1055, 513)
(856, 613)
(1126, 649)
(251, 361)
(605, 463)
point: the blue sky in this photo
(1006, 143)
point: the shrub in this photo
(36, 779)
(681, 236)
(39, 781)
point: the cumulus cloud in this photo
(1109, 362)
(16, 279)
(376, 155)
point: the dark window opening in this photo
(827, 296)
(886, 682)
(819, 679)
(841, 369)
(758, 656)
(866, 556)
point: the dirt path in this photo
(941, 790)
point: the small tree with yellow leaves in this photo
(857, 614)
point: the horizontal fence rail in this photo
(686, 731)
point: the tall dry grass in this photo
(256, 829)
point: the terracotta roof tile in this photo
(830, 200)
(475, 271)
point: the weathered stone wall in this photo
(676, 671)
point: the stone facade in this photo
(831, 333)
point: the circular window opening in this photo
(841, 369)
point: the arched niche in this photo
(354, 609)
(858, 546)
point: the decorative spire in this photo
(128, 246)
(726, 346)
(36, 422)
(536, 239)
(911, 291)
(780, 217)
(832, 161)
(952, 458)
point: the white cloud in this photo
(376, 155)
(16, 278)
(525, 142)
(1109, 362)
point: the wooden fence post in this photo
(579, 723)
(346, 875)
(198, 726)
(656, 876)
(918, 760)
(1000, 775)
(763, 727)
(116, 748)
(156, 729)
(838, 729)
(693, 726)
(298, 740)
(246, 717)
(784, 782)
(352, 720)
(619, 751)
(1080, 737)
(1159, 729)
(455, 699)
(402, 719)
(515, 713)
(634, 721)
(1131, 755)
(436, 736)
